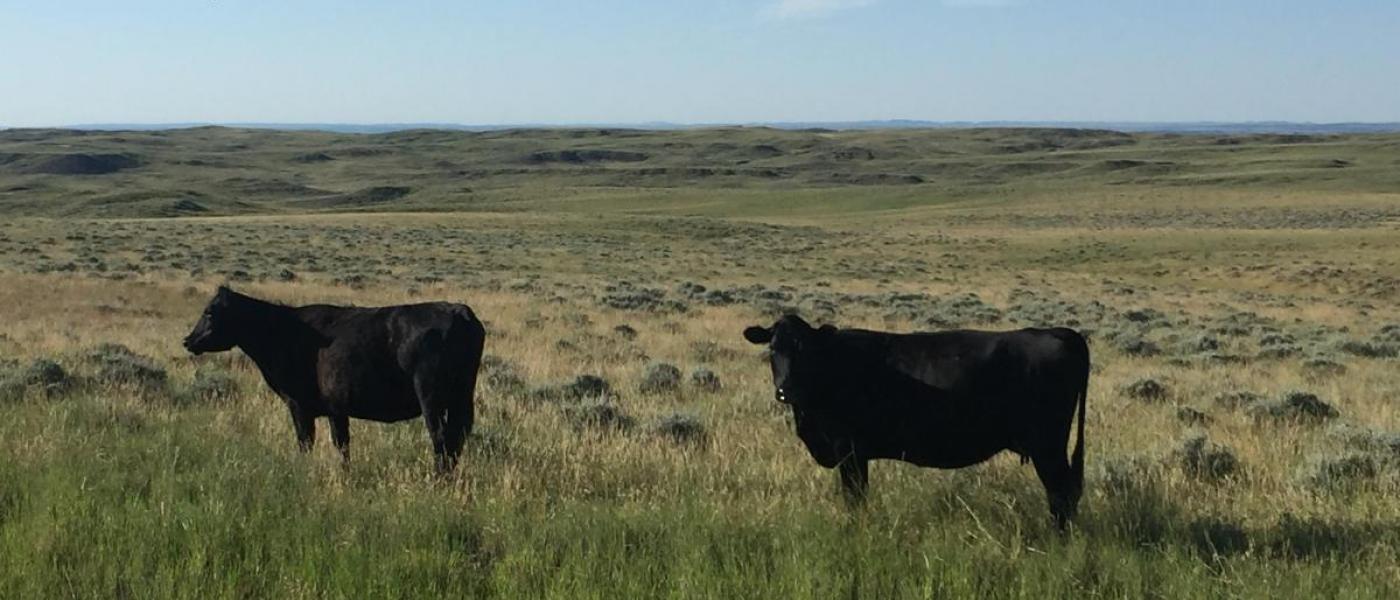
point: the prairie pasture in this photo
(1238, 293)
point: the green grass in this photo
(157, 504)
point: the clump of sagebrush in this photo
(1368, 349)
(659, 378)
(46, 374)
(1388, 333)
(583, 387)
(625, 331)
(1237, 399)
(1219, 358)
(1278, 352)
(1296, 406)
(1277, 345)
(705, 380)
(625, 296)
(1203, 459)
(1147, 389)
(42, 375)
(1203, 342)
(1333, 473)
(1144, 315)
(210, 383)
(1135, 345)
(1217, 536)
(1191, 416)
(599, 415)
(500, 374)
(1321, 368)
(118, 365)
(681, 428)
(1383, 444)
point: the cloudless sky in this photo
(595, 61)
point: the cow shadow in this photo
(1144, 511)
(1145, 514)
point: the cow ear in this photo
(827, 329)
(758, 335)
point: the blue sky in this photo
(525, 61)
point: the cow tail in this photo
(1076, 463)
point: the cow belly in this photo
(946, 450)
(384, 412)
(951, 459)
(372, 398)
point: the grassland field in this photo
(1238, 292)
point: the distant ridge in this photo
(1204, 127)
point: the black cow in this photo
(385, 364)
(948, 400)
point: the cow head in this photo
(796, 354)
(215, 330)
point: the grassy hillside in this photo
(212, 171)
(1243, 424)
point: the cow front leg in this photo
(340, 434)
(855, 479)
(305, 426)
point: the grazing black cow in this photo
(947, 400)
(385, 364)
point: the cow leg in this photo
(427, 385)
(340, 434)
(461, 415)
(436, 422)
(1054, 472)
(305, 425)
(458, 427)
(855, 479)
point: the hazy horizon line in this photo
(1182, 126)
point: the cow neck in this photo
(267, 331)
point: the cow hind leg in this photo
(1060, 488)
(436, 422)
(457, 428)
(461, 413)
(435, 413)
(340, 434)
